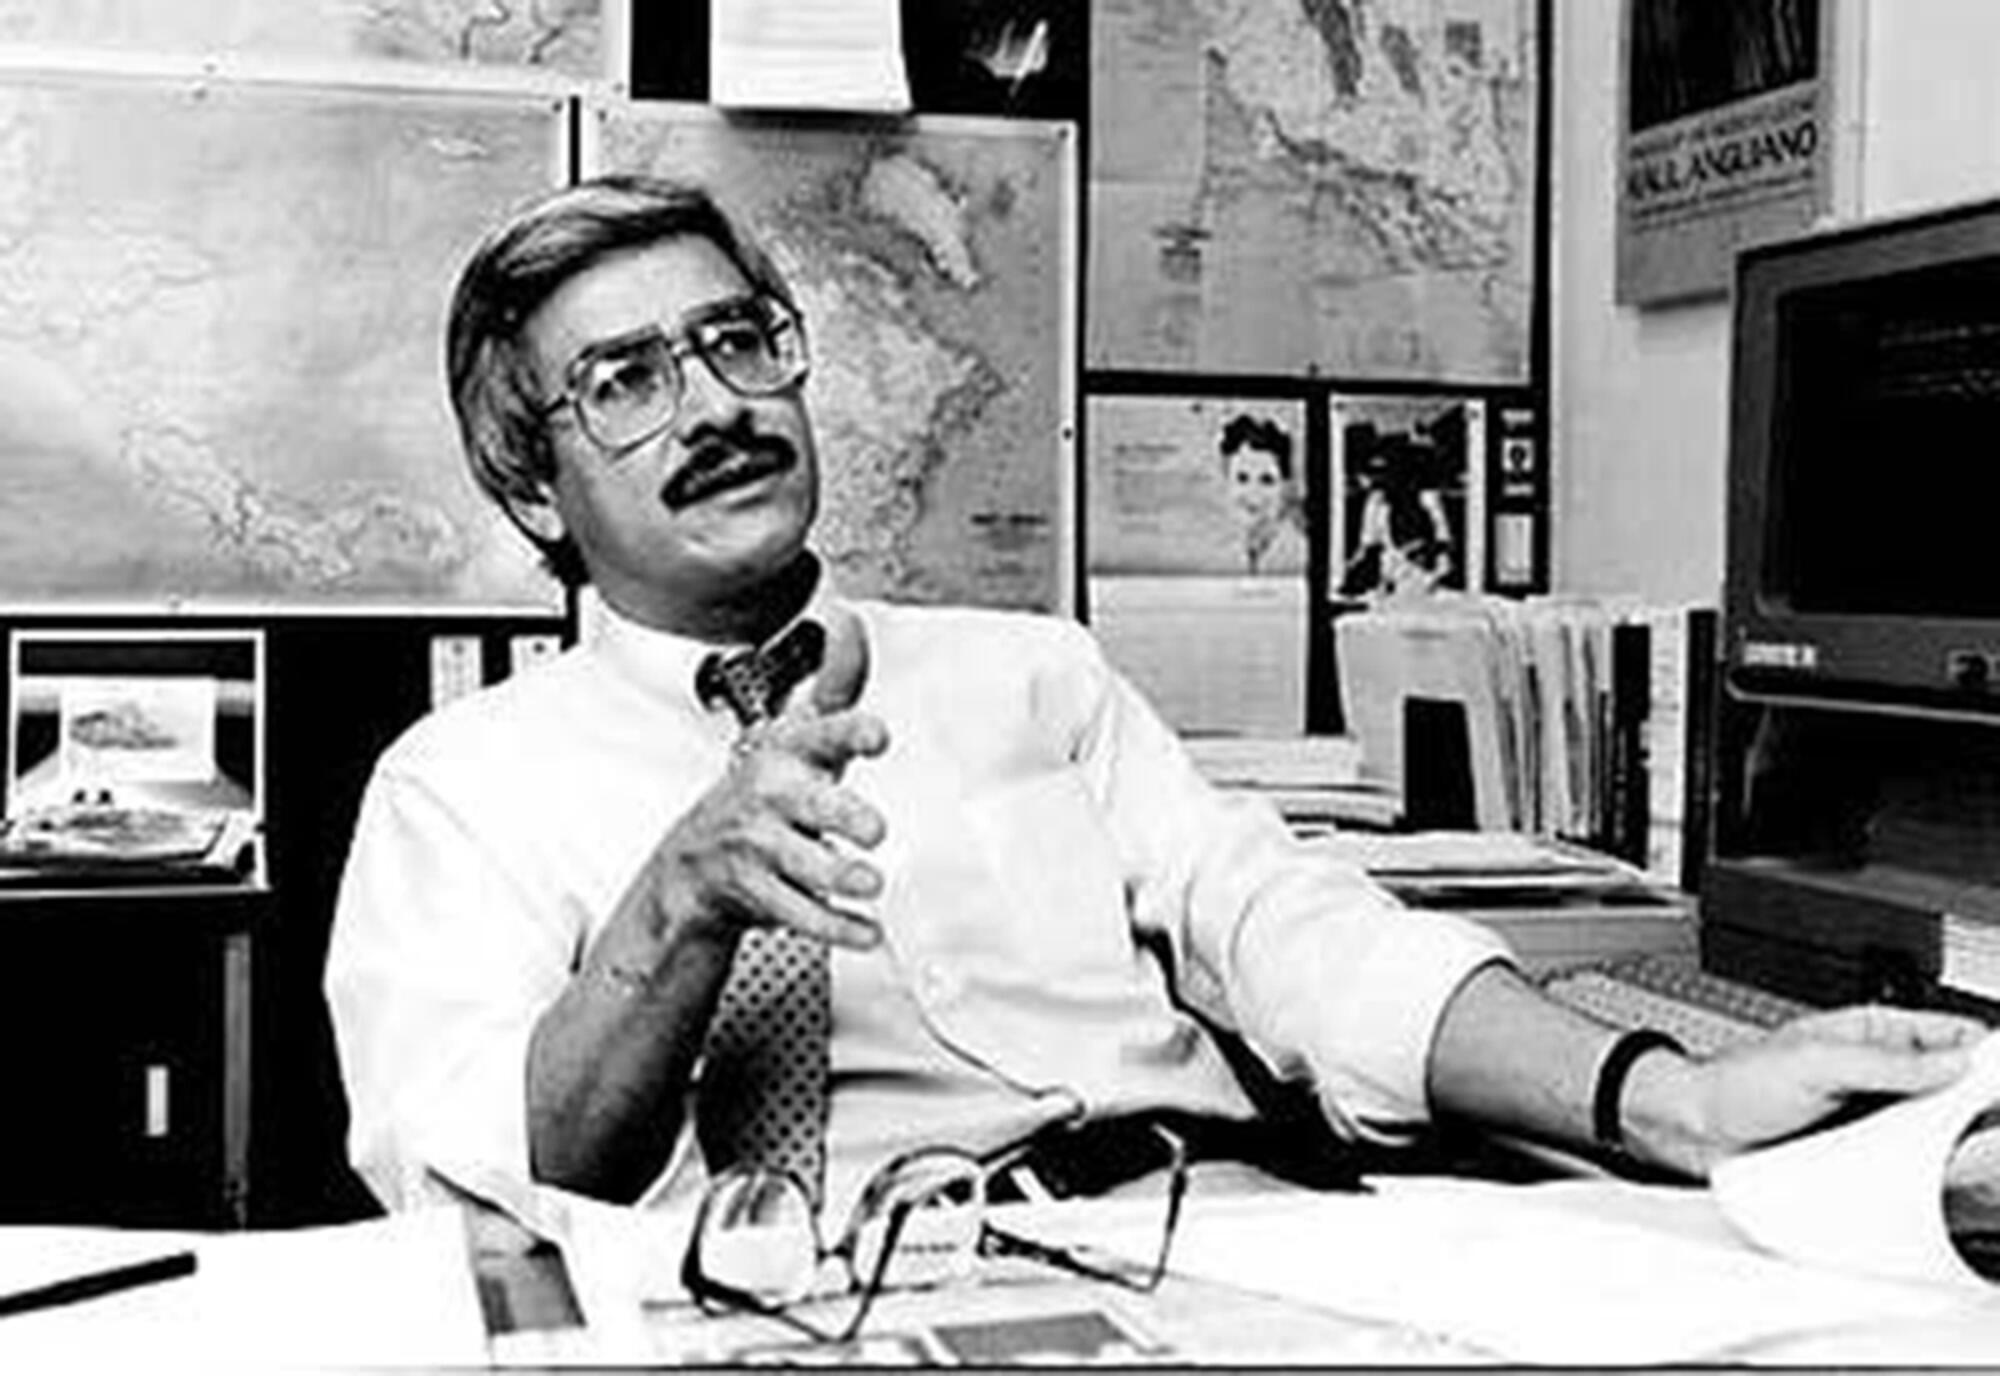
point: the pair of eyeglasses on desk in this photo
(922, 1220)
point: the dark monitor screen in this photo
(1888, 444)
(1864, 443)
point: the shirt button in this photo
(936, 984)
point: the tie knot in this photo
(755, 682)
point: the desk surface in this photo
(402, 1291)
(1196, 1321)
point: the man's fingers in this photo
(830, 742)
(1848, 1068)
(782, 905)
(811, 865)
(1876, 1025)
(828, 809)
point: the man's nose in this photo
(705, 397)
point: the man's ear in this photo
(537, 514)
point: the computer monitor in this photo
(1864, 444)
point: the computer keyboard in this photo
(1706, 1012)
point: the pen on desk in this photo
(96, 1283)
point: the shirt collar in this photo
(664, 663)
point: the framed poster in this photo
(1726, 140)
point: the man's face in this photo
(710, 508)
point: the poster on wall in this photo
(1198, 550)
(1407, 498)
(1726, 138)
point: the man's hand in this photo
(1806, 1072)
(769, 844)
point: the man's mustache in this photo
(724, 459)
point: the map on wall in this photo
(1336, 188)
(221, 310)
(931, 261)
(563, 35)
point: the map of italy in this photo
(1328, 187)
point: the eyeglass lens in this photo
(1169, 1179)
(629, 391)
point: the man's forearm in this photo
(1514, 1060)
(609, 1064)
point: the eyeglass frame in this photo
(681, 344)
(714, 1296)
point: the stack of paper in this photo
(1523, 1273)
(1557, 904)
(1575, 713)
(1314, 782)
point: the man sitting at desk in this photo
(963, 840)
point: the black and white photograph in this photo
(1301, 685)
(1407, 496)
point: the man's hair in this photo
(513, 272)
(1254, 432)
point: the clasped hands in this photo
(780, 839)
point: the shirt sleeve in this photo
(1321, 971)
(440, 963)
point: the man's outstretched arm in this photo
(1512, 1059)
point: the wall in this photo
(1640, 398)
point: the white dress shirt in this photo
(1048, 842)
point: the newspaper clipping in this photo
(1726, 140)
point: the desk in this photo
(402, 1291)
(1451, 1240)
(126, 1017)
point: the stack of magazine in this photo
(1558, 904)
(1315, 782)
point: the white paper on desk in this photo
(1867, 1197)
(1524, 1279)
(396, 1291)
(1500, 858)
(807, 54)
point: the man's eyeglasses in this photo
(628, 389)
(920, 1221)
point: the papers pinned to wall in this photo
(826, 55)
(1198, 554)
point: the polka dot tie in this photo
(762, 1096)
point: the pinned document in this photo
(825, 55)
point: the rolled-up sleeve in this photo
(440, 963)
(1320, 971)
